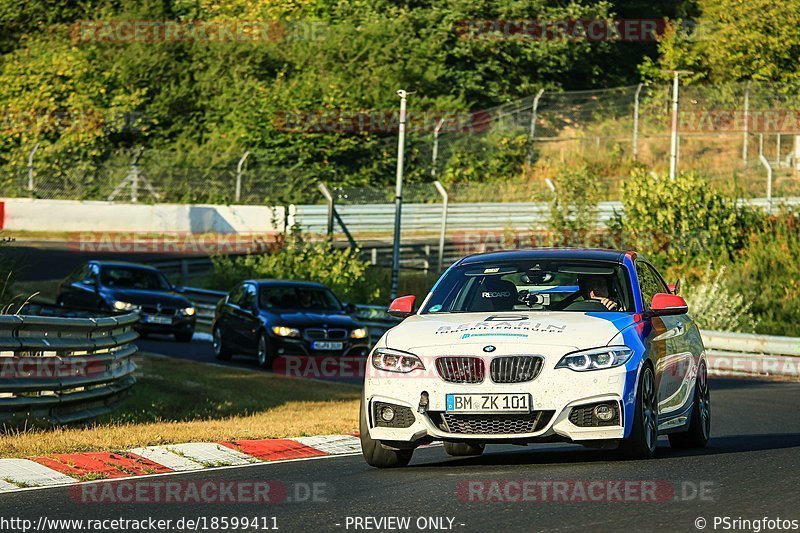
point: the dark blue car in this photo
(271, 318)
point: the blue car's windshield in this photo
(298, 297)
(533, 285)
(134, 278)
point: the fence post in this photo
(328, 200)
(769, 181)
(746, 122)
(636, 122)
(238, 195)
(443, 227)
(30, 167)
(533, 124)
(436, 147)
(778, 150)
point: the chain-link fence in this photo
(515, 152)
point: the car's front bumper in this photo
(286, 346)
(178, 324)
(554, 394)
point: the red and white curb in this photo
(64, 469)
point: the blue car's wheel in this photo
(700, 424)
(644, 434)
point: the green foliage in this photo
(718, 306)
(735, 40)
(340, 269)
(684, 221)
(767, 274)
(87, 101)
(574, 207)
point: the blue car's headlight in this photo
(596, 358)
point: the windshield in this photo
(298, 297)
(533, 285)
(134, 278)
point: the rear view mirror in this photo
(664, 304)
(402, 307)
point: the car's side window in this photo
(648, 282)
(235, 296)
(92, 274)
(249, 297)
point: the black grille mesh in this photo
(515, 368)
(460, 369)
(492, 424)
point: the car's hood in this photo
(141, 297)
(569, 329)
(305, 319)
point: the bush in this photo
(715, 305)
(683, 221)
(574, 207)
(294, 259)
(767, 274)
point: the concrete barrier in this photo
(26, 214)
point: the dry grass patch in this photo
(181, 401)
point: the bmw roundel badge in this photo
(489, 348)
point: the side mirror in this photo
(664, 304)
(350, 309)
(402, 307)
(179, 288)
(675, 288)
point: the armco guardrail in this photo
(752, 355)
(205, 301)
(379, 218)
(61, 370)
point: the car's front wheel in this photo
(463, 449)
(700, 424)
(375, 454)
(265, 353)
(221, 350)
(641, 444)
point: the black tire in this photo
(184, 336)
(700, 424)
(221, 350)
(264, 352)
(644, 434)
(463, 449)
(375, 454)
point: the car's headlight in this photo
(596, 358)
(188, 311)
(124, 306)
(283, 331)
(395, 360)
(360, 333)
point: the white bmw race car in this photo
(583, 346)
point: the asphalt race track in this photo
(750, 471)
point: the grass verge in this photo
(182, 401)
